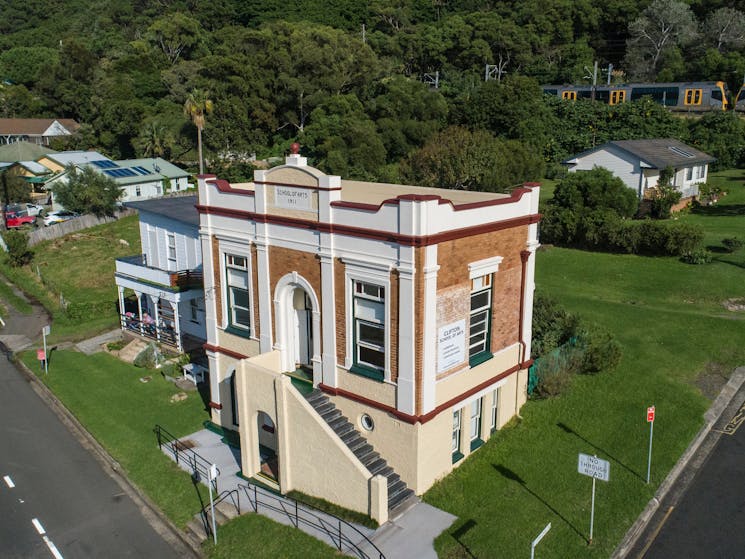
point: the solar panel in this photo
(104, 164)
(110, 173)
(141, 170)
(127, 173)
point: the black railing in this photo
(200, 467)
(204, 514)
(344, 536)
(148, 328)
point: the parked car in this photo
(34, 209)
(58, 217)
(16, 219)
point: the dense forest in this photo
(385, 90)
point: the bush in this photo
(698, 256)
(553, 372)
(553, 325)
(598, 189)
(600, 352)
(732, 244)
(19, 253)
(147, 358)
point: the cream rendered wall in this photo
(458, 383)
(381, 392)
(311, 457)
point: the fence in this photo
(83, 222)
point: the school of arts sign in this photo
(293, 198)
(451, 345)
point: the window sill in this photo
(457, 456)
(238, 332)
(480, 358)
(476, 443)
(373, 374)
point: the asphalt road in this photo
(705, 519)
(55, 498)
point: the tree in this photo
(598, 189)
(197, 106)
(662, 27)
(88, 191)
(459, 158)
(15, 188)
(154, 140)
(725, 28)
(175, 35)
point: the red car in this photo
(16, 216)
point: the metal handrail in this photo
(335, 531)
(199, 465)
(236, 500)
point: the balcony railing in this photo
(136, 267)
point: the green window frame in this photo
(479, 326)
(368, 329)
(238, 301)
(476, 411)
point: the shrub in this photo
(698, 256)
(663, 202)
(553, 325)
(732, 244)
(553, 372)
(19, 253)
(147, 358)
(600, 352)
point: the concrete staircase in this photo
(398, 491)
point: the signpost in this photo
(650, 420)
(596, 468)
(45, 332)
(538, 539)
(213, 477)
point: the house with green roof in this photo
(176, 178)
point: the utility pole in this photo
(594, 77)
(363, 34)
(610, 72)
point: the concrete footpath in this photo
(675, 484)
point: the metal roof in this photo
(22, 151)
(156, 165)
(666, 152)
(179, 208)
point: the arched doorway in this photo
(267, 439)
(298, 318)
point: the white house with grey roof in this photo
(161, 292)
(638, 164)
(139, 179)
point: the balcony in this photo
(136, 268)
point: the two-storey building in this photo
(364, 338)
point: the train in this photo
(695, 97)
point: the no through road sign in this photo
(594, 467)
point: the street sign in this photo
(594, 467)
(213, 472)
(46, 330)
(650, 414)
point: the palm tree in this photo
(197, 106)
(155, 140)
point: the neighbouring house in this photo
(35, 130)
(22, 151)
(175, 178)
(161, 294)
(137, 181)
(638, 164)
(364, 338)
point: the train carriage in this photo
(678, 96)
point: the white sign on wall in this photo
(293, 198)
(451, 345)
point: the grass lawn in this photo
(79, 266)
(679, 343)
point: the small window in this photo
(457, 454)
(689, 173)
(692, 97)
(617, 97)
(194, 310)
(476, 440)
(367, 422)
(569, 95)
(138, 190)
(495, 409)
(171, 240)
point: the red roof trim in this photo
(224, 351)
(351, 231)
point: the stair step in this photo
(345, 430)
(322, 407)
(399, 499)
(329, 415)
(356, 442)
(359, 447)
(368, 457)
(377, 465)
(337, 422)
(396, 488)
